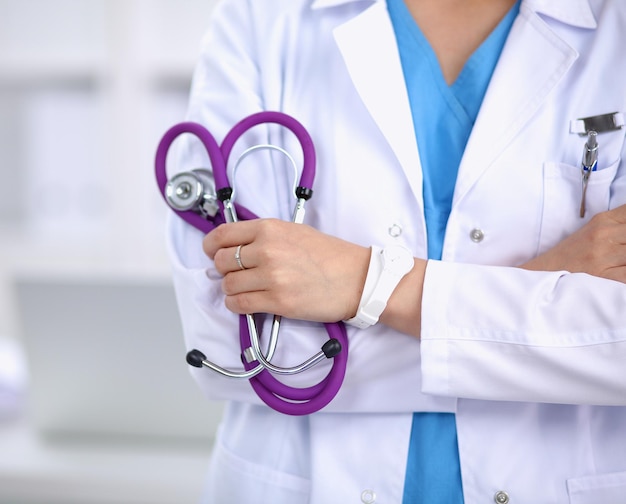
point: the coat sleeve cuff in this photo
(434, 343)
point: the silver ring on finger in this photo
(238, 258)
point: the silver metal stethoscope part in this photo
(191, 191)
(265, 362)
(254, 148)
(249, 354)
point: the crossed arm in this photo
(299, 272)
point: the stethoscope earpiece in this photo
(195, 358)
(331, 348)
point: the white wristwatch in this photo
(387, 267)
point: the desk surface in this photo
(34, 470)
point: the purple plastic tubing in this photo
(276, 394)
(308, 150)
(293, 400)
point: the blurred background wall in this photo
(87, 87)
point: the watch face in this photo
(398, 258)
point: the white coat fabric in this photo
(532, 363)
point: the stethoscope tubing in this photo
(276, 394)
(306, 400)
(218, 164)
(308, 150)
(215, 158)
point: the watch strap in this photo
(380, 282)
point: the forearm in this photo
(500, 333)
(403, 311)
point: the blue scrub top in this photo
(443, 117)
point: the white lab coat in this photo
(533, 364)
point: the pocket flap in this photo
(598, 489)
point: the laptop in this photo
(106, 358)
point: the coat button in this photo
(368, 497)
(477, 235)
(501, 497)
(395, 230)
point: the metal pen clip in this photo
(589, 165)
(601, 123)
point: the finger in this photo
(253, 302)
(618, 214)
(243, 303)
(231, 259)
(228, 236)
(617, 273)
(240, 282)
(620, 236)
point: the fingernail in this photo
(212, 274)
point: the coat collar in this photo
(574, 12)
(320, 4)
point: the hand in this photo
(598, 248)
(291, 270)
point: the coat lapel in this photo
(368, 46)
(533, 62)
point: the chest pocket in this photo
(601, 488)
(563, 187)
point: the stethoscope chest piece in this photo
(192, 190)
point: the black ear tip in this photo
(195, 358)
(331, 348)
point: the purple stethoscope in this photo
(205, 199)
